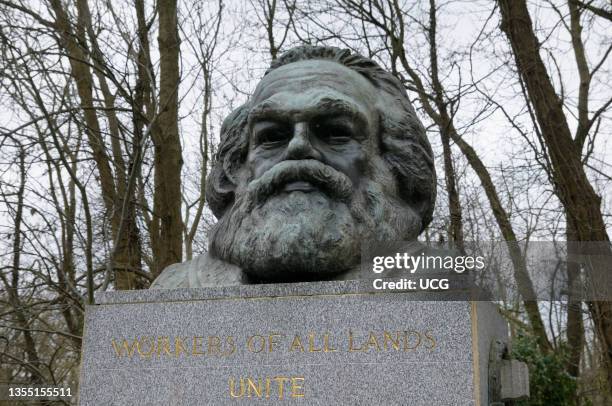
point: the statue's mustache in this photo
(332, 182)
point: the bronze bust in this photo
(327, 153)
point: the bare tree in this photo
(581, 202)
(389, 19)
(204, 43)
(167, 224)
(269, 13)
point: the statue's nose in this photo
(300, 146)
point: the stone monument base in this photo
(320, 343)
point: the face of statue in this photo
(313, 110)
(314, 184)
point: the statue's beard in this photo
(298, 236)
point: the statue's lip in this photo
(299, 186)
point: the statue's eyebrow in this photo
(338, 107)
(326, 107)
(267, 109)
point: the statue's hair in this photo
(403, 141)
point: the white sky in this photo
(241, 58)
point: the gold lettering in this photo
(326, 345)
(145, 354)
(229, 340)
(395, 342)
(281, 384)
(407, 335)
(372, 342)
(119, 349)
(232, 384)
(176, 346)
(296, 344)
(163, 343)
(267, 388)
(179, 347)
(311, 346)
(295, 387)
(431, 339)
(250, 344)
(263, 387)
(351, 348)
(197, 346)
(257, 389)
(272, 342)
(214, 345)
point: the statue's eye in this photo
(333, 134)
(273, 137)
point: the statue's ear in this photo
(409, 155)
(219, 191)
(228, 163)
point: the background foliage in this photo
(110, 116)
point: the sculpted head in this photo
(327, 154)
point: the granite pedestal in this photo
(320, 343)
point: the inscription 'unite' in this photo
(277, 387)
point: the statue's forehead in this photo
(326, 76)
(309, 99)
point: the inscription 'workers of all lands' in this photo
(147, 347)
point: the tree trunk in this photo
(581, 203)
(167, 225)
(126, 257)
(20, 311)
(523, 281)
(575, 326)
(126, 250)
(454, 204)
(445, 125)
